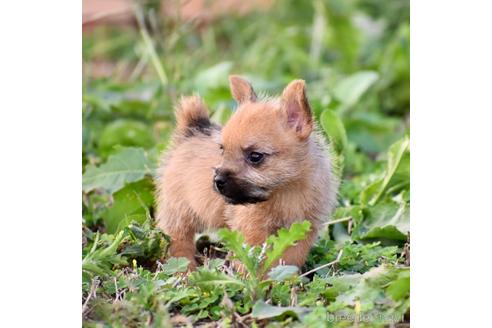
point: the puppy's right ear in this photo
(296, 107)
(241, 90)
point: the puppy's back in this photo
(184, 182)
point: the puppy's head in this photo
(264, 144)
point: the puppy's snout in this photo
(220, 181)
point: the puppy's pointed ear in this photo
(241, 90)
(296, 106)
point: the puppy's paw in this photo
(191, 266)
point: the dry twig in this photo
(347, 218)
(92, 293)
(324, 265)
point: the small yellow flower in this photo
(357, 307)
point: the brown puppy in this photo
(266, 169)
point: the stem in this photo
(348, 218)
(324, 265)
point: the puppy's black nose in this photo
(220, 181)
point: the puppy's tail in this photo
(191, 114)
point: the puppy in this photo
(265, 169)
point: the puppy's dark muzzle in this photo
(233, 190)
(220, 182)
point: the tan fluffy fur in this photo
(298, 176)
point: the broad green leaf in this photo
(367, 290)
(397, 173)
(283, 240)
(129, 204)
(367, 294)
(372, 132)
(350, 89)
(387, 220)
(283, 272)
(400, 288)
(262, 310)
(175, 264)
(127, 133)
(334, 129)
(128, 165)
(341, 284)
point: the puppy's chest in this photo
(265, 216)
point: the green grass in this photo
(354, 56)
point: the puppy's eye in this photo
(255, 157)
(221, 147)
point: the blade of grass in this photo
(149, 45)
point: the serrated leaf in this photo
(175, 265)
(283, 272)
(262, 310)
(128, 165)
(234, 241)
(283, 240)
(349, 90)
(334, 129)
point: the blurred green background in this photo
(354, 55)
(140, 57)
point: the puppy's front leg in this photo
(182, 234)
(254, 236)
(294, 255)
(183, 245)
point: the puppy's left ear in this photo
(241, 90)
(296, 106)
